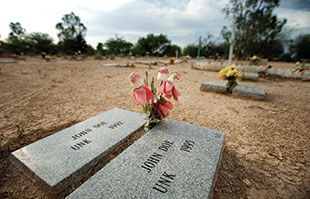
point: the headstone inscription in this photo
(64, 157)
(173, 160)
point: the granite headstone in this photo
(173, 160)
(64, 157)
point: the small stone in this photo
(247, 182)
(273, 113)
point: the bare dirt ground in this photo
(267, 149)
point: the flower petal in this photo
(175, 94)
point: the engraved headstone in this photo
(173, 160)
(64, 157)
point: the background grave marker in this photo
(215, 86)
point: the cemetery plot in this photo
(63, 158)
(253, 92)
(173, 160)
(289, 74)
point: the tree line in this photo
(258, 32)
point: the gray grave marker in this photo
(8, 61)
(64, 157)
(250, 76)
(249, 91)
(146, 62)
(111, 64)
(218, 87)
(173, 160)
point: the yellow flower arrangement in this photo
(254, 60)
(171, 60)
(299, 67)
(48, 58)
(231, 74)
(229, 71)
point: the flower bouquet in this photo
(156, 105)
(299, 67)
(48, 58)
(254, 60)
(231, 74)
(171, 60)
(184, 59)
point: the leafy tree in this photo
(190, 50)
(300, 48)
(257, 27)
(90, 50)
(118, 46)
(71, 33)
(15, 45)
(100, 49)
(17, 30)
(38, 42)
(171, 49)
(152, 45)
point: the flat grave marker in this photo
(65, 157)
(8, 61)
(253, 92)
(146, 62)
(111, 64)
(250, 76)
(215, 86)
(173, 160)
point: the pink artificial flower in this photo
(163, 109)
(304, 71)
(142, 94)
(168, 88)
(163, 73)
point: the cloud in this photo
(295, 4)
(183, 21)
(297, 13)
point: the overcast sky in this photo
(183, 21)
